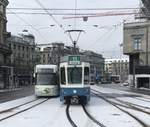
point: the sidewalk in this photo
(9, 90)
(12, 94)
(144, 91)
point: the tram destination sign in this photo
(74, 60)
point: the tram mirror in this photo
(62, 76)
(86, 75)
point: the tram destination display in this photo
(74, 60)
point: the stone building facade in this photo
(23, 58)
(117, 67)
(5, 51)
(137, 47)
(96, 65)
(52, 53)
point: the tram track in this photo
(119, 106)
(86, 112)
(142, 99)
(15, 107)
(130, 105)
(92, 118)
(69, 117)
(25, 109)
(135, 106)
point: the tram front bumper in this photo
(70, 92)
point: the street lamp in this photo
(121, 45)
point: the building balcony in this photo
(132, 51)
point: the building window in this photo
(9, 45)
(43, 55)
(1, 8)
(14, 46)
(19, 47)
(137, 43)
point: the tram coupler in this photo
(75, 100)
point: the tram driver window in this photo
(63, 77)
(86, 75)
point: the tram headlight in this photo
(74, 91)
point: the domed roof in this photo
(26, 33)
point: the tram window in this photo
(74, 75)
(86, 75)
(46, 79)
(63, 77)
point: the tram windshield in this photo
(74, 75)
(46, 79)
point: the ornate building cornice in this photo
(4, 2)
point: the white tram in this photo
(74, 79)
(46, 80)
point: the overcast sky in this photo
(105, 41)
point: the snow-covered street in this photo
(110, 107)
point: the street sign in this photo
(74, 60)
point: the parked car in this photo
(125, 84)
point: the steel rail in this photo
(23, 110)
(92, 118)
(119, 107)
(7, 110)
(69, 117)
(130, 105)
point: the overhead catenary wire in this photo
(101, 37)
(54, 13)
(109, 31)
(53, 18)
(70, 9)
(23, 20)
(75, 14)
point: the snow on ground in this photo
(10, 104)
(110, 90)
(20, 108)
(80, 118)
(52, 113)
(109, 115)
(48, 114)
(142, 116)
(137, 99)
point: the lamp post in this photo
(120, 62)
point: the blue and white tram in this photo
(46, 80)
(74, 79)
